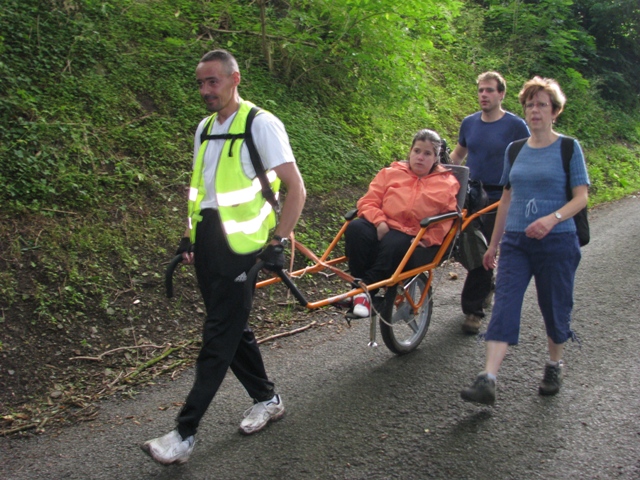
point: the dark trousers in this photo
(227, 340)
(372, 260)
(479, 281)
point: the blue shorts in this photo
(553, 262)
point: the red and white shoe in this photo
(361, 305)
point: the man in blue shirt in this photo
(483, 139)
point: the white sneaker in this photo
(170, 448)
(257, 417)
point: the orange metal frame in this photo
(460, 222)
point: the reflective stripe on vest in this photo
(246, 216)
(233, 198)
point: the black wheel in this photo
(402, 330)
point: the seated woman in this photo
(399, 197)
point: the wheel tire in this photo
(401, 329)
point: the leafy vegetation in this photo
(98, 107)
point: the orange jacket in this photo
(399, 197)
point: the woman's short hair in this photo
(548, 85)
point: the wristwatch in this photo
(283, 241)
(558, 215)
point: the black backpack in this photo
(566, 147)
(445, 158)
(476, 198)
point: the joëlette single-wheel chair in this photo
(404, 304)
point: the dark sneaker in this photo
(257, 417)
(170, 448)
(472, 324)
(482, 391)
(552, 380)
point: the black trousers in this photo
(227, 340)
(372, 260)
(479, 281)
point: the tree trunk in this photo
(266, 44)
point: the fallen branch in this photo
(117, 380)
(10, 431)
(108, 352)
(155, 360)
(286, 334)
(58, 211)
(170, 367)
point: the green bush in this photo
(98, 108)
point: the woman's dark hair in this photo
(427, 135)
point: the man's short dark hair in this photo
(224, 57)
(502, 84)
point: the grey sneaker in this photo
(170, 448)
(482, 391)
(257, 417)
(472, 324)
(552, 380)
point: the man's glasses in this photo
(538, 105)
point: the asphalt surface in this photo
(355, 412)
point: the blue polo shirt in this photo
(486, 143)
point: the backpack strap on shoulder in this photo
(267, 192)
(566, 149)
(207, 126)
(513, 150)
(223, 136)
(581, 218)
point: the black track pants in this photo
(227, 340)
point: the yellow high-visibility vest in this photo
(246, 216)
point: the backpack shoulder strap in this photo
(204, 135)
(256, 161)
(566, 148)
(515, 148)
(207, 127)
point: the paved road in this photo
(361, 413)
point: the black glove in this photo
(273, 257)
(184, 246)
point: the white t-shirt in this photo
(269, 136)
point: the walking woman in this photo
(537, 238)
